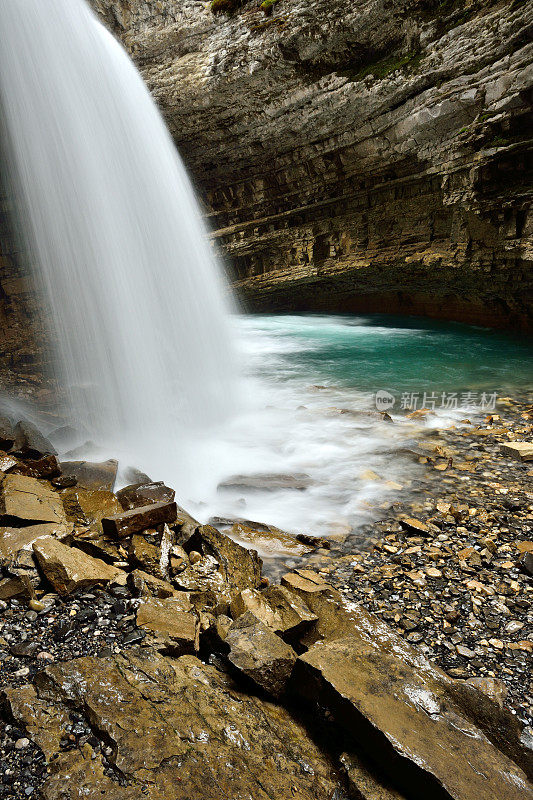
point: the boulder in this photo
(92, 475)
(174, 728)
(145, 585)
(68, 568)
(7, 433)
(27, 499)
(266, 482)
(139, 519)
(30, 442)
(255, 650)
(146, 555)
(281, 610)
(86, 507)
(523, 451)
(171, 623)
(268, 540)
(15, 586)
(45, 467)
(13, 540)
(142, 494)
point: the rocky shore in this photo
(143, 654)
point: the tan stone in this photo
(523, 451)
(29, 499)
(92, 475)
(139, 519)
(146, 585)
(268, 540)
(13, 540)
(276, 607)
(262, 656)
(68, 568)
(172, 622)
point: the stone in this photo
(277, 608)
(30, 442)
(363, 781)
(45, 467)
(398, 713)
(139, 519)
(142, 494)
(268, 540)
(13, 540)
(7, 462)
(146, 555)
(262, 656)
(415, 526)
(523, 451)
(172, 623)
(68, 568)
(15, 587)
(7, 433)
(146, 585)
(174, 728)
(266, 482)
(28, 499)
(92, 475)
(87, 507)
(494, 689)
(526, 562)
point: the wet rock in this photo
(7, 433)
(13, 540)
(64, 481)
(416, 526)
(256, 651)
(268, 540)
(523, 451)
(28, 499)
(396, 703)
(44, 722)
(15, 587)
(86, 507)
(176, 728)
(141, 494)
(145, 585)
(145, 555)
(92, 475)
(139, 519)
(266, 482)
(172, 624)
(364, 782)
(68, 568)
(276, 607)
(526, 562)
(7, 462)
(45, 467)
(97, 545)
(30, 442)
(240, 568)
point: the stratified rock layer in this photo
(363, 155)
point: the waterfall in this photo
(113, 228)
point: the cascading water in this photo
(112, 225)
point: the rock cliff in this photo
(370, 155)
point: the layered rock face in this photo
(354, 156)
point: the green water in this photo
(399, 354)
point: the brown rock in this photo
(7, 434)
(7, 462)
(145, 585)
(45, 467)
(88, 506)
(172, 623)
(142, 494)
(415, 526)
(268, 540)
(30, 442)
(139, 519)
(523, 451)
(364, 782)
(146, 555)
(398, 714)
(28, 499)
(15, 587)
(13, 540)
(276, 607)
(256, 651)
(68, 568)
(266, 482)
(92, 475)
(177, 728)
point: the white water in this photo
(112, 225)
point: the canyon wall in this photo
(364, 155)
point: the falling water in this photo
(111, 222)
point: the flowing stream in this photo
(112, 225)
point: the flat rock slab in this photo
(28, 499)
(399, 708)
(178, 729)
(523, 451)
(139, 519)
(268, 541)
(92, 474)
(137, 495)
(13, 540)
(171, 622)
(267, 482)
(277, 608)
(260, 654)
(68, 568)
